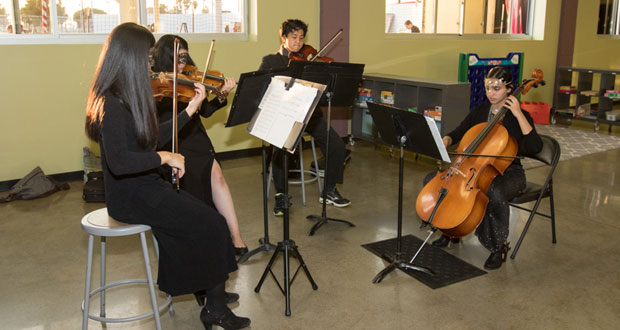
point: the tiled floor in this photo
(571, 285)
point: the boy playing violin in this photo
(292, 35)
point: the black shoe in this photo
(347, 156)
(495, 260)
(278, 209)
(444, 240)
(321, 170)
(201, 298)
(321, 161)
(334, 198)
(231, 297)
(227, 320)
(239, 251)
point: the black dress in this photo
(317, 128)
(195, 145)
(196, 251)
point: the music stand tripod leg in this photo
(268, 268)
(286, 245)
(323, 219)
(397, 261)
(263, 241)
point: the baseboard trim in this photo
(60, 177)
(79, 175)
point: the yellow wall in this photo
(437, 57)
(593, 50)
(44, 89)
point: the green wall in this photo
(44, 87)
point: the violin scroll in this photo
(528, 84)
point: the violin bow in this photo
(326, 45)
(204, 74)
(175, 132)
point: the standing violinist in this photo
(292, 36)
(204, 179)
(493, 230)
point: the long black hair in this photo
(123, 71)
(163, 53)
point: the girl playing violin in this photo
(204, 179)
(196, 252)
(292, 35)
(493, 230)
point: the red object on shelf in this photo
(539, 111)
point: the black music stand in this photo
(411, 131)
(342, 80)
(249, 92)
(287, 245)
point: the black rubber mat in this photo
(447, 268)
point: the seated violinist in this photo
(493, 230)
(204, 178)
(292, 35)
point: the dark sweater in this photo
(529, 144)
(128, 168)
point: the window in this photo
(609, 18)
(459, 16)
(79, 17)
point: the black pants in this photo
(317, 128)
(493, 230)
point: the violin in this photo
(307, 53)
(212, 78)
(162, 84)
(455, 200)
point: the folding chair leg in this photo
(552, 214)
(527, 226)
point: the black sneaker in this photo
(334, 198)
(278, 209)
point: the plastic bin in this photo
(539, 111)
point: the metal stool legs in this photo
(303, 173)
(101, 290)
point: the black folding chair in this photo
(550, 155)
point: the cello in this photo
(455, 200)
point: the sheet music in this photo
(281, 109)
(437, 138)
